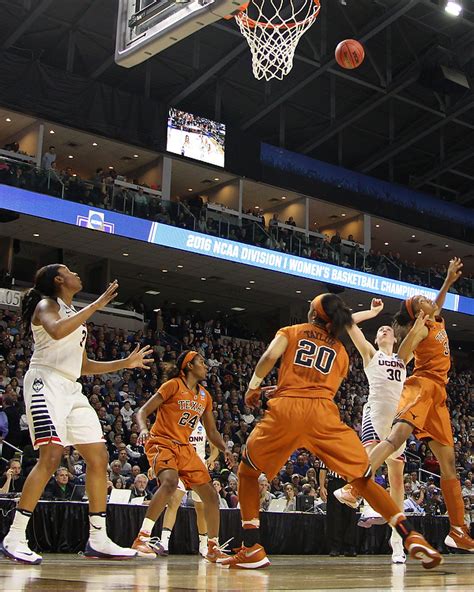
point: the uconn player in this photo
(386, 373)
(198, 440)
(58, 413)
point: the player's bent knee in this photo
(245, 470)
(169, 484)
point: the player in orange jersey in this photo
(180, 403)
(422, 408)
(302, 413)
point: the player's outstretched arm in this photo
(376, 307)
(266, 363)
(453, 274)
(137, 359)
(414, 337)
(364, 347)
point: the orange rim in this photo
(251, 23)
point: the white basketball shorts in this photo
(376, 426)
(57, 411)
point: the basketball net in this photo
(274, 33)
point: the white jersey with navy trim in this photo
(386, 375)
(62, 355)
(198, 440)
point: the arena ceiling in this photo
(396, 117)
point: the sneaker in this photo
(345, 497)
(398, 552)
(246, 558)
(215, 552)
(203, 550)
(459, 538)
(148, 546)
(420, 549)
(370, 517)
(19, 551)
(107, 549)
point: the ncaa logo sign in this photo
(96, 221)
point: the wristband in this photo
(255, 382)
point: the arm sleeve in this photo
(168, 389)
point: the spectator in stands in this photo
(48, 159)
(13, 413)
(276, 487)
(221, 494)
(12, 481)
(290, 497)
(139, 488)
(59, 488)
(140, 204)
(265, 495)
(468, 490)
(301, 467)
(287, 473)
(413, 500)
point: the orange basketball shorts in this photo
(423, 405)
(165, 454)
(300, 422)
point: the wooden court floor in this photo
(183, 573)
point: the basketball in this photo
(349, 54)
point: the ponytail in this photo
(338, 313)
(402, 322)
(44, 287)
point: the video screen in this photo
(196, 137)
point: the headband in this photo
(409, 307)
(317, 304)
(189, 357)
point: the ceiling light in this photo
(298, 291)
(180, 267)
(35, 234)
(203, 279)
(360, 304)
(125, 254)
(252, 282)
(377, 226)
(454, 325)
(283, 197)
(110, 168)
(419, 252)
(51, 131)
(446, 246)
(343, 215)
(94, 144)
(164, 271)
(248, 288)
(7, 119)
(257, 207)
(135, 156)
(216, 179)
(413, 235)
(152, 292)
(237, 308)
(70, 156)
(196, 301)
(453, 7)
(74, 174)
(190, 189)
(386, 244)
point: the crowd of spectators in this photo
(192, 213)
(117, 396)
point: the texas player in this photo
(303, 414)
(180, 403)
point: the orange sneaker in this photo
(147, 546)
(216, 552)
(459, 538)
(345, 496)
(253, 557)
(420, 549)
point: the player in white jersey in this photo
(386, 373)
(198, 439)
(58, 413)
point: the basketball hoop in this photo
(274, 31)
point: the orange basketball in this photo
(349, 54)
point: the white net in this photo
(273, 29)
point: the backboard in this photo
(147, 27)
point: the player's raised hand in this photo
(138, 358)
(376, 306)
(420, 322)
(454, 270)
(107, 296)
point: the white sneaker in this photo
(203, 550)
(107, 549)
(19, 551)
(398, 552)
(370, 517)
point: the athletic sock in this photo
(165, 537)
(97, 527)
(251, 535)
(147, 526)
(202, 540)
(20, 522)
(452, 495)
